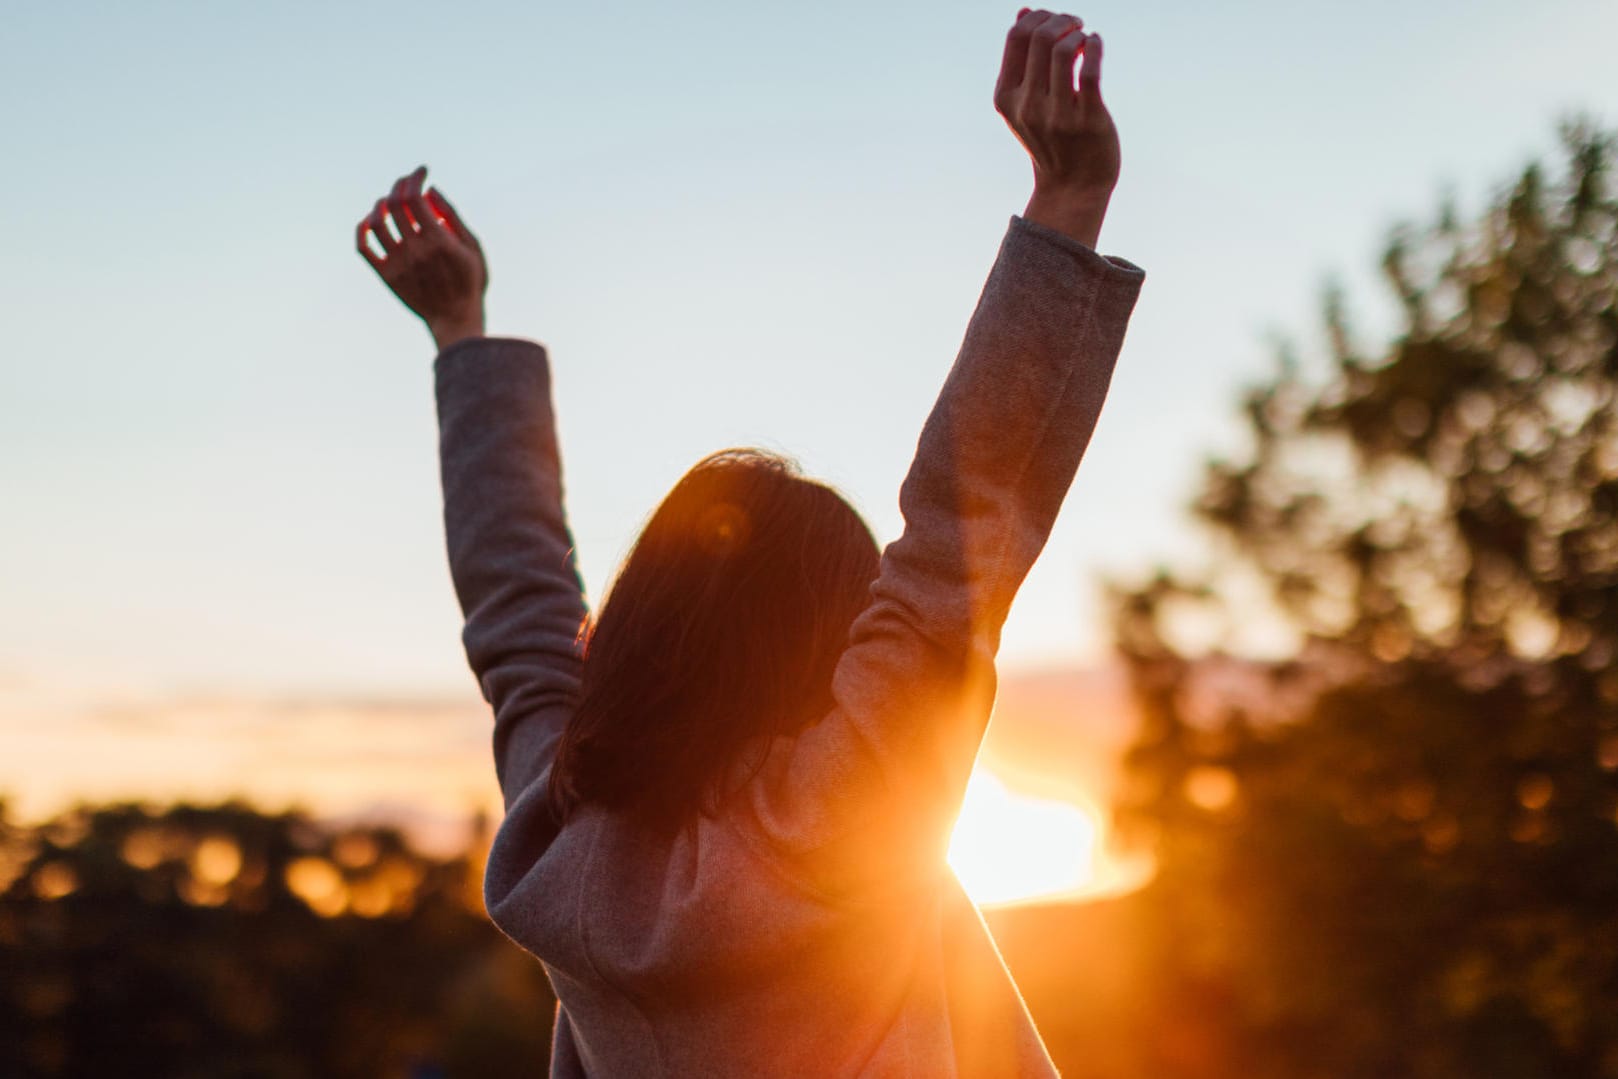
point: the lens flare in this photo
(1009, 847)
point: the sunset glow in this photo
(1021, 834)
(1009, 846)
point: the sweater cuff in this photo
(1107, 265)
(486, 349)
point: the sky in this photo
(730, 224)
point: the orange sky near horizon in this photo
(1033, 824)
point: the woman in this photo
(728, 797)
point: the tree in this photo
(222, 941)
(1392, 848)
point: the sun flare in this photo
(1009, 846)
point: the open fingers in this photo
(1090, 73)
(1014, 64)
(377, 223)
(414, 204)
(1041, 46)
(1064, 54)
(396, 208)
(444, 210)
(361, 233)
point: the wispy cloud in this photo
(336, 755)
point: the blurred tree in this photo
(1389, 846)
(225, 942)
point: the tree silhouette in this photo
(1390, 846)
(222, 941)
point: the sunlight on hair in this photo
(1009, 847)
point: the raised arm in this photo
(430, 260)
(866, 797)
(510, 551)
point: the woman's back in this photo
(812, 927)
(697, 953)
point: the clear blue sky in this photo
(732, 224)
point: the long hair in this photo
(724, 623)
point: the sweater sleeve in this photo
(866, 797)
(510, 552)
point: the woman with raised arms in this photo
(729, 793)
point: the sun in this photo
(1008, 847)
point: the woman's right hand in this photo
(1068, 133)
(435, 265)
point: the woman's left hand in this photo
(1068, 133)
(434, 264)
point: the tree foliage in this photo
(221, 941)
(1393, 850)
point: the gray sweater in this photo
(815, 929)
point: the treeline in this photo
(222, 941)
(1390, 848)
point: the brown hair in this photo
(724, 623)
